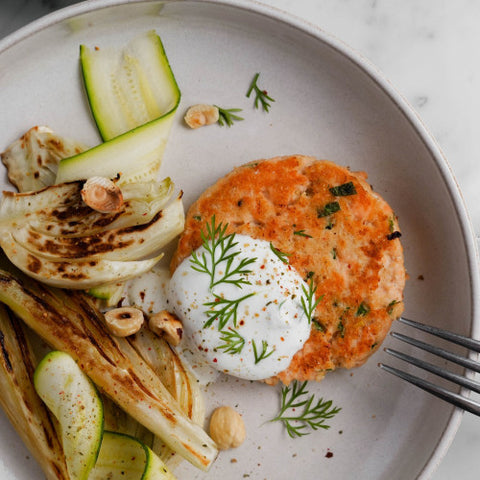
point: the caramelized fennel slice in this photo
(69, 322)
(20, 402)
(123, 244)
(178, 380)
(59, 210)
(76, 274)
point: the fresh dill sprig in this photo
(261, 96)
(301, 233)
(264, 353)
(227, 116)
(281, 255)
(228, 310)
(233, 341)
(309, 304)
(221, 249)
(312, 415)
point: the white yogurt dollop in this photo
(263, 323)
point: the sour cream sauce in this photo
(270, 320)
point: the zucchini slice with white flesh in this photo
(73, 399)
(123, 456)
(129, 87)
(134, 156)
(133, 96)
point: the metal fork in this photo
(453, 398)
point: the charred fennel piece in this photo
(77, 274)
(58, 210)
(178, 380)
(69, 322)
(133, 96)
(123, 456)
(120, 244)
(20, 402)
(55, 238)
(73, 399)
(33, 159)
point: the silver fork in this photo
(453, 398)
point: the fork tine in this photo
(458, 359)
(453, 377)
(470, 343)
(440, 392)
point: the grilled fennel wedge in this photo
(55, 238)
(32, 160)
(20, 402)
(73, 399)
(68, 321)
(178, 380)
(133, 97)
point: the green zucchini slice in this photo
(73, 399)
(129, 87)
(123, 456)
(133, 96)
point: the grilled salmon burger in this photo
(321, 223)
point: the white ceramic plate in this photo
(329, 103)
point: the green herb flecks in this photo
(362, 310)
(343, 190)
(328, 209)
(311, 417)
(341, 329)
(233, 342)
(259, 356)
(391, 225)
(391, 305)
(227, 116)
(309, 304)
(281, 255)
(221, 250)
(301, 233)
(318, 325)
(261, 96)
(223, 310)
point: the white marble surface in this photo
(428, 50)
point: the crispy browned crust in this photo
(353, 256)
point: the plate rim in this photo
(386, 86)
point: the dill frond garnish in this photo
(228, 310)
(233, 342)
(261, 96)
(312, 415)
(301, 233)
(309, 304)
(281, 255)
(220, 249)
(227, 116)
(264, 353)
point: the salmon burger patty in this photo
(337, 233)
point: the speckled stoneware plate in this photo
(330, 103)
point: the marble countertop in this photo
(428, 50)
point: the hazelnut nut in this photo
(124, 321)
(168, 326)
(227, 428)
